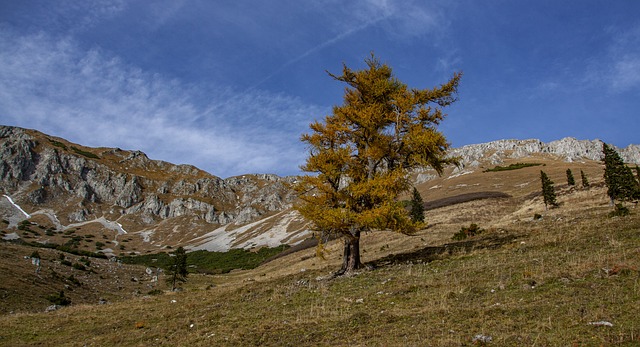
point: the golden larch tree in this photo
(360, 155)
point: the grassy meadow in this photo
(570, 278)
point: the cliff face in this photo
(568, 149)
(75, 184)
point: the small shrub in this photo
(155, 292)
(35, 254)
(99, 245)
(620, 211)
(471, 230)
(84, 153)
(59, 299)
(79, 266)
(72, 244)
(74, 280)
(66, 262)
(24, 225)
(537, 216)
(58, 144)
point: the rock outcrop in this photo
(81, 183)
(568, 149)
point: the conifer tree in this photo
(585, 181)
(177, 271)
(361, 154)
(417, 207)
(548, 191)
(621, 185)
(638, 173)
(570, 180)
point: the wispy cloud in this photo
(72, 16)
(619, 67)
(94, 98)
(331, 41)
(625, 60)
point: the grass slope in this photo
(524, 282)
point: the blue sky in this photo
(229, 86)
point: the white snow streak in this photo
(16, 205)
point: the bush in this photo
(59, 299)
(155, 292)
(24, 225)
(620, 211)
(74, 280)
(537, 216)
(79, 266)
(85, 153)
(471, 230)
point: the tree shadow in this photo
(431, 253)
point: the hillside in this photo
(569, 278)
(502, 202)
(135, 205)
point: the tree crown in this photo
(360, 153)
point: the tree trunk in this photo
(351, 255)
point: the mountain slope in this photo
(568, 278)
(125, 195)
(137, 205)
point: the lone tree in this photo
(585, 181)
(621, 185)
(417, 207)
(570, 180)
(361, 154)
(548, 192)
(177, 271)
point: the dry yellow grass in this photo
(525, 282)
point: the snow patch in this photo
(146, 235)
(111, 225)
(221, 239)
(12, 236)
(462, 173)
(16, 206)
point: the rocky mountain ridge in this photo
(568, 149)
(71, 184)
(152, 205)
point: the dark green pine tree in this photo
(177, 271)
(638, 173)
(548, 191)
(585, 181)
(570, 180)
(417, 207)
(621, 185)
